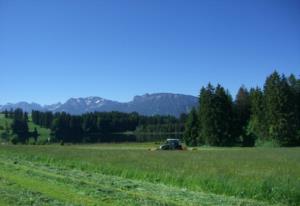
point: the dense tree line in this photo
(160, 128)
(43, 119)
(162, 124)
(88, 127)
(271, 114)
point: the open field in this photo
(130, 174)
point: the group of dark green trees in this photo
(90, 127)
(271, 114)
(19, 126)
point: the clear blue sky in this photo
(56, 49)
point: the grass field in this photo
(131, 174)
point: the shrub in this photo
(14, 139)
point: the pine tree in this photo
(59, 127)
(11, 113)
(18, 114)
(215, 116)
(5, 113)
(191, 132)
(25, 116)
(242, 107)
(35, 134)
(295, 87)
(256, 128)
(19, 126)
(224, 117)
(207, 115)
(280, 110)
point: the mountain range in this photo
(147, 104)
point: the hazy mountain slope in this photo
(148, 104)
(28, 107)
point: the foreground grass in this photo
(129, 174)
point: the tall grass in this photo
(268, 174)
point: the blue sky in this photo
(56, 49)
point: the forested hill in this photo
(148, 104)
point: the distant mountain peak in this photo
(146, 104)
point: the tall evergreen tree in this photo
(280, 110)
(18, 114)
(295, 86)
(242, 113)
(207, 115)
(256, 128)
(11, 113)
(25, 116)
(60, 127)
(35, 134)
(224, 117)
(5, 113)
(215, 116)
(191, 132)
(20, 127)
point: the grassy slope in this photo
(107, 171)
(44, 133)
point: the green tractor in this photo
(171, 144)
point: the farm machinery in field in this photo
(171, 144)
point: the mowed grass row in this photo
(25, 182)
(265, 174)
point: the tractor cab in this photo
(171, 144)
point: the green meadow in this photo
(137, 174)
